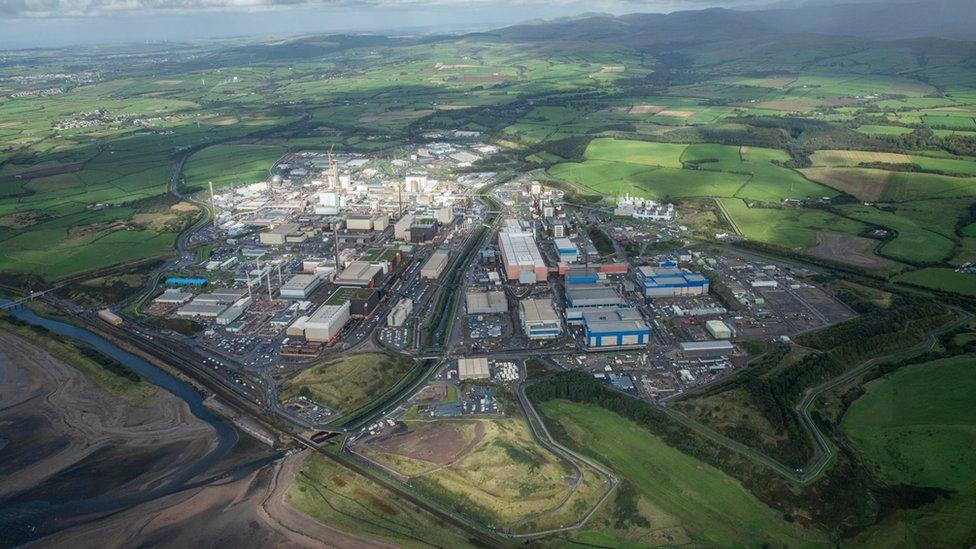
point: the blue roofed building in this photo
(568, 252)
(668, 280)
(616, 328)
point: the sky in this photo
(58, 23)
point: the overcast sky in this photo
(55, 23)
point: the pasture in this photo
(231, 164)
(915, 241)
(915, 426)
(941, 278)
(786, 227)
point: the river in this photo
(26, 520)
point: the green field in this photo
(682, 501)
(918, 426)
(943, 279)
(231, 164)
(347, 382)
(787, 227)
(917, 240)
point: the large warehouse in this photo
(300, 286)
(706, 349)
(435, 265)
(667, 280)
(485, 303)
(326, 322)
(568, 252)
(591, 295)
(360, 273)
(618, 328)
(473, 368)
(539, 319)
(521, 256)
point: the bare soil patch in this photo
(438, 443)
(677, 114)
(867, 185)
(849, 249)
(778, 82)
(646, 109)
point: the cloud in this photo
(83, 8)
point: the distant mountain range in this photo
(950, 19)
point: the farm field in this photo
(490, 469)
(917, 241)
(676, 499)
(347, 382)
(786, 227)
(876, 185)
(940, 278)
(335, 496)
(231, 164)
(915, 426)
(661, 170)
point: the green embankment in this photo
(680, 499)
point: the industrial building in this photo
(473, 368)
(367, 222)
(300, 286)
(568, 252)
(202, 309)
(667, 280)
(172, 295)
(360, 273)
(615, 328)
(582, 275)
(521, 256)
(284, 233)
(444, 215)
(401, 229)
(327, 322)
(539, 319)
(485, 303)
(706, 349)
(220, 296)
(362, 302)
(718, 329)
(435, 266)
(592, 295)
(423, 230)
(232, 313)
(400, 312)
